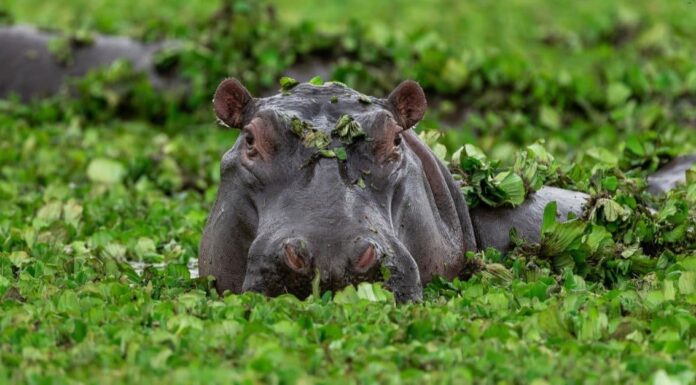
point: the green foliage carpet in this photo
(591, 96)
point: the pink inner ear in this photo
(409, 103)
(229, 101)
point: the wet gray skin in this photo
(283, 213)
(492, 226)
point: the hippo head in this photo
(326, 181)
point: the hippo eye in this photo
(397, 140)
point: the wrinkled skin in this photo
(282, 215)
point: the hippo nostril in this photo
(367, 259)
(293, 258)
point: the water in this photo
(139, 267)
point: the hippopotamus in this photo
(31, 70)
(326, 183)
(670, 175)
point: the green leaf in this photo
(662, 378)
(512, 187)
(347, 295)
(549, 117)
(316, 281)
(104, 170)
(341, 153)
(634, 145)
(549, 219)
(49, 213)
(440, 151)
(327, 153)
(298, 127)
(19, 258)
(556, 238)
(550, 322)
(602, 155)
(370, 292)
(598, 237)
(669, 291)
(364, 99)
(287, 83)
(610, 183)
(315, 139)
(474, 152)
(360, 182)
(617, 93)
(347, 129)
(317, 81)
(687, 282)
(612, 210)
(146, 249)
(72, 213)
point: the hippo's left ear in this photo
(229, 102)
(408, 103)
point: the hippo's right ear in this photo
(230, 100)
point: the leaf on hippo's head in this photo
(341, 153)
(297, 126)
(360, 182)
(315, 139)
(317, 81)
(347, 129)
(327, 153)
(311, 137)
(287, 83)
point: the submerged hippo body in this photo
(671, 174)
(284, 213)
(492, 225)
(31, 70)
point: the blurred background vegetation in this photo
(504, 74)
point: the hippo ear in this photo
(229, 102)
(408, 103)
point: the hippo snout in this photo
(289, 264)
(298, 256)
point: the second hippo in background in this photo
(31, 70)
